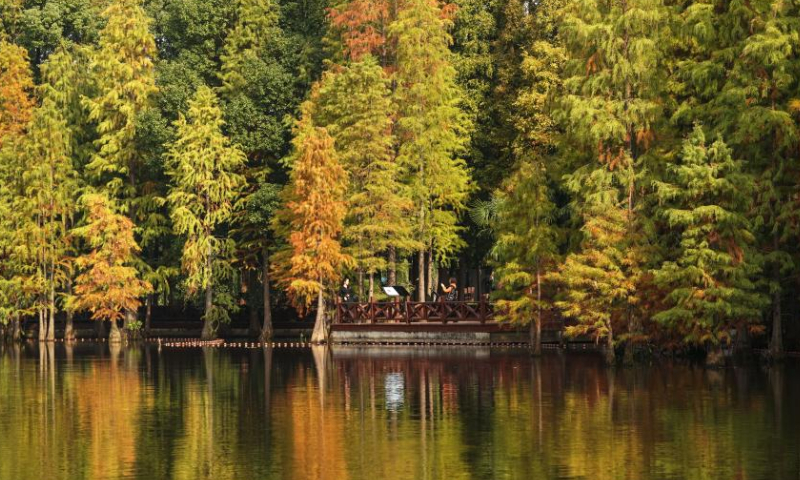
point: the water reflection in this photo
(87, 411)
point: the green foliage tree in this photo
(526, 247)
(51, 186)
(204, 168)
(432, 129)
(739, 79)
(123, 69)
(709, 283)
(613, 115)
(599, 280)
(354, 105)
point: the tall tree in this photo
(432, 129)
(51, 186)
(613, 114)
(18, 284)
(258, 91)
(123, 71)
(354, 105)
(311, 223)
(206, 186)
(738, 68)
(108, 285)
(710, 284)
(526, 247)
(599, 281)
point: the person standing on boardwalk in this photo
(451, 291)
(345, 292)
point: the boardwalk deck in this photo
(375, 313)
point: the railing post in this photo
(482, 309)
(338, 311)
(408, 310)
(371, 310)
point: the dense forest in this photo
(633, 165)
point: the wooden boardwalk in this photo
(441, 316)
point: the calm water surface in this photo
(90, 413)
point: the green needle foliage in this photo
(432, 128)
(710, 282)
(526, 247)
(355, 106)
(207, 183)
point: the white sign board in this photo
(391, 291)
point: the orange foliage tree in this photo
(361, 27)
(16, 84)
(108, 284)
(311, 223)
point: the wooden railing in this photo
(410, 312)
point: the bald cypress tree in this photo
(354, 104)
(613, 115)
(432, 129)
(311, 223)
(51, 186)
(18, 283)
(108, 285)
(207, 184)
(739, 79)
(526, 247)
(124, 75)
(710, 281)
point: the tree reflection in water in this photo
(82, 411)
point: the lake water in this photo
(85, 412)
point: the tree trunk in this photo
(16, 330)
(42, 326)
(392, 277)
(462, 278)
(114, 335)
(776, 342)
(431, 285)
(254, 329)
(319, 336)
(148, 314)
(371, 286)
(536, 325)
(69, 327)
(209, 332)
(51, 317)
(266, 328)
(610, 356)
(421, 279)
(130, 332)
(360, 285)
(479, 284)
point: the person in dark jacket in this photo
(451, 291)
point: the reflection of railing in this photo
(409, 312)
